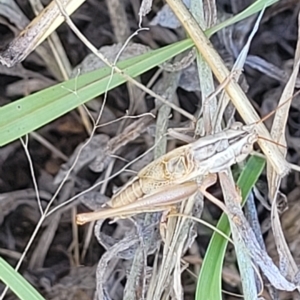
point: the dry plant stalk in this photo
(36, 32)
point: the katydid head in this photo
(246, 147)
(249, 137)
(242, 145)
(229, 147)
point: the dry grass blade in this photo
(280, 120)
(178, 237)
(246, 235)
(110, 255)
(286, 261)
(232, 199)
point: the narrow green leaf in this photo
(18, 284)
(29, 113)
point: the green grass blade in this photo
(18, 284)
(29, 113)
(210, 278)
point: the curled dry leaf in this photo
(145, 7)
(93, 200)
(166, 17)
(130, 133)
(92, 62)
(11, 200)
(97, 145)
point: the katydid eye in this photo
(237, 126)
(247, 148)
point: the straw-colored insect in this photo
(178, 174)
